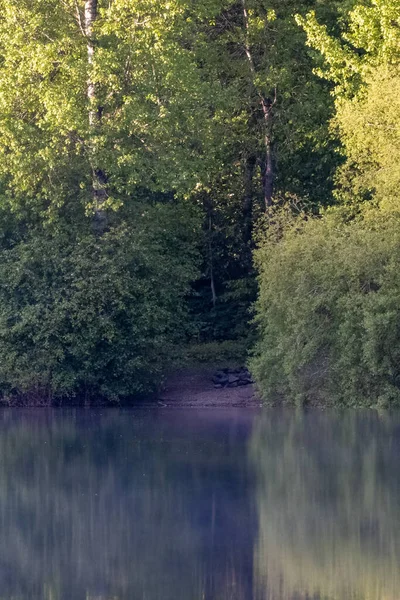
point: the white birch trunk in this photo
(268, 174)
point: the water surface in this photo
(199, 505)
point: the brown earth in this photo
(194, 388)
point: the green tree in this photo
(94, 318)
(363, 64)
(105, 112)
(275, 143)
(327, 314)
(110, 99)
(327, 311)
(281, 108)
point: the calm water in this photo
(199, 505)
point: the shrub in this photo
(230, 318)
(328, 312)
(94, 317)
(217, 353)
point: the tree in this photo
(363, 64)
(106, 101)
(94, 318)
(327, 311)
(281, 109)
(275, 144)
(105, 115)
(99, 177)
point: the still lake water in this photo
(199, 505)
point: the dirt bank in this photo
(194, 388)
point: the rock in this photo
(220, 378)
(245, 378)
(228, 377)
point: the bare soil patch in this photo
(194, 388)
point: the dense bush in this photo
(329, 311)
(216, 353)
(94, 317)
(230, 318)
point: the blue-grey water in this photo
(199, 505)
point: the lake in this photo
(213, 504)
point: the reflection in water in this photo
(329, 506)
(123, 506)
(199, 505)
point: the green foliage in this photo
(363, 64)
(369, 37)
(95, 317)
(217, 353)
(369, 131)
(328, 313)
(80, 315)
(302, 146)
(156, 129)
(303, 149)
(194, 101)
(230, 318)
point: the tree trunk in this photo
(90, 19)
(248, 198)
(266, 105)
(211, 259)
(268, 175)
(99, 178)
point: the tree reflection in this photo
(179, 506)
(329, 506)
(116, 507)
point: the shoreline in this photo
(193, 388)
(185, 387)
